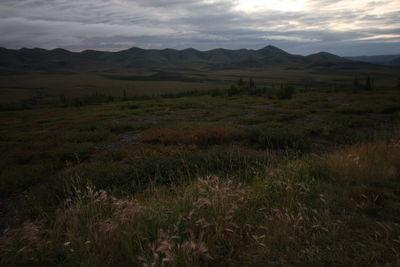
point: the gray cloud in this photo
(343, 27)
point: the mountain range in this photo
(389, 60)
(58, 60)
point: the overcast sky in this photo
(343, 27)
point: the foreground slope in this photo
(225, 180)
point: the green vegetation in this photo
(247, 175)
(285, 92)
(322, 211)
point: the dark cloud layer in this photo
(351, 27)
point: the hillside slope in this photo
(15, 61)
(390, 60)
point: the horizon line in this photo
(183, 49)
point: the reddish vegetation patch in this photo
(205, 135)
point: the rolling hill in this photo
(61, 60)
(389, 60)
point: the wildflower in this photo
(203, 202)
(354, 158)
(397, 144)
(203, 223)
(322, 198)
(106, 226)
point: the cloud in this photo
(299, 26)
(291, 38)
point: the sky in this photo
(342, 27)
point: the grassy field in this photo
(226, 178)
(46, 88)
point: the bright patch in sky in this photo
(262, 5)
(290, 38)
(382, 36)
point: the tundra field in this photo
(243, 175)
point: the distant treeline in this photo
(242, 87)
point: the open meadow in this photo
(238, 176)
(46, 87)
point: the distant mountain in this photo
(395, 62)
(389, 60)
(61, 60)
(325, 57)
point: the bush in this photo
(130, 106)
(233, 90)
(279, 139)
(285, 92)
(216, 92)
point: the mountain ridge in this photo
(389, 60)
(39, 59)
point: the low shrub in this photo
(285, 92)
(202, 136)
(279, 139)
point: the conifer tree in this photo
(368, 84)
(240, 82)
(124, 94)
(252, 84)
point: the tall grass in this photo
(295, 214)
(154, 171)
(377, 162)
